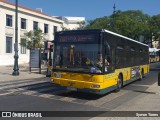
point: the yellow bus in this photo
(76, 64)
(158, 55)
(154, 55)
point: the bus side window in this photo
(120, 55)
(108, 61)
(109, 57)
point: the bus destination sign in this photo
(76, 38)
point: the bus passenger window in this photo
(61, 60)
(107, 64)
(71, 54)
(99, 62)
(108, 61)
(77, 58)
(84, 60)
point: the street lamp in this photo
(113, 22)
(16, 68)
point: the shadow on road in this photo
(144, 92)
(80, 95)
(52, 89)
(46, 87)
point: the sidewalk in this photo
(24, 73)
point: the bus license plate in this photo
(71, 89)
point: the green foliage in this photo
(155, 26)
(81, 25)
(33, 39)
(131, 23)
(99, 23)
(64, 28)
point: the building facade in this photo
(155, 44)
(28, 20)
(72, 22)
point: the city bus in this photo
(75, 62)
(154, 55)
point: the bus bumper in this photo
(83, 86)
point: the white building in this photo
(28, 19)
(71, 22)
(155, 44)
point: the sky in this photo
(90, 9)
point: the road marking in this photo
(15, 90)
(37, 89)
(20, 85)
(30, 92)
(46, 95)
(67, 99)
(15, 82)
(139, 85)
(8, 93)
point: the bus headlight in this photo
(95, 86)
(52, 80)
(57, 75)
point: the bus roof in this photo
(103, 30)
(124, 37)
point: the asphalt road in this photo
(40, 95)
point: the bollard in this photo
(159, 79)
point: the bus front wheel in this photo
(119, 83)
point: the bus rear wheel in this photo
(119, 83)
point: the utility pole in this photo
(16, 68)
(114, 9)
(113, 22)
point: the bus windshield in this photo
(78, 57)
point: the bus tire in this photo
(119, 83)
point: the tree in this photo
(131, 23)
(155, 27)
(33, 39)
(99, 23)
(81, 25)
(64, 28)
